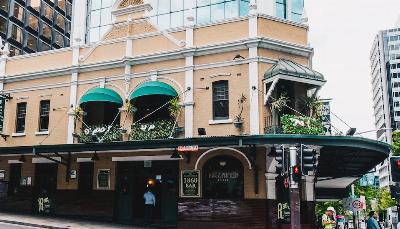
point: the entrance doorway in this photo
(45, 186)
(223, 178)
(133, 178)
(15, 178)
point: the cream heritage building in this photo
(183, 110)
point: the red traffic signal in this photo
(296, 170)
(398, 164)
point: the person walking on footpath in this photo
(149, 203)
(328, 219)
(372, 222)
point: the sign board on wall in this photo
(190, 183)
(103, 179)
(193, 148)
(2, 103)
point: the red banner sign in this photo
(194, 148)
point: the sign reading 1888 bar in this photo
(190, 183)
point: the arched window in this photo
(223, 178)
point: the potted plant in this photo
(174, 110)
(238, 120)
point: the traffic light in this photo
(308, 159)
(296, 173)
(395, 168)
(281, 159)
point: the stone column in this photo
(188, 102)
(73, 93)
(78, 25)
(253, 71)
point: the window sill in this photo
(222, 121)
(18, 134)
(42, 133)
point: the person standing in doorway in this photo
(149, 203)
(372, 223)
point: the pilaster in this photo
(266, 7)
(189, 103)
(78, 26)
(72, 104)
(271, 185)
(253, 72)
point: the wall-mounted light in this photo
(95, 157)
(176, 155)
(201, 131)
(22, 158)
(222, 163)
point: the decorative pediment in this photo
(126, 3)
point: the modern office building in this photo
(33, 25)
(172, 13)
(385, 79)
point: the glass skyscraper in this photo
(172, 13)
(35, 25)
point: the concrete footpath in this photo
(55, 222)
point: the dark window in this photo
(60, 21)
(4, 5)
(16, 33)
(398, 65)
(18, 12)
(35, 4)
(59, 39)
(69, 9)
(46, 31)
(14, 51)
(220, 100)
(44, 115)
(48, 12)
(3, 25)
(33, 22)
(31, 42)
(61, 5)
(21, 114)
(44, 46)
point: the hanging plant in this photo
(174, 107)
(78, 112)
(238, 120)
(313, 107)
(130, 108)
(280, 103)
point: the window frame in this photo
(20, 121)
(215, 85)
(42, 116)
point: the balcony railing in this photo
(160, 129)
(100, 133)
(294, 124)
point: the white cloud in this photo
(342, 32)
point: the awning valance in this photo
(289, 70)
(101, 95)
(153, 88)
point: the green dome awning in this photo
(153, 88)
(101, 95)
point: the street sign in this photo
(356, 204)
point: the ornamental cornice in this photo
(169, 55)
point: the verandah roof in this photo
(288, 68)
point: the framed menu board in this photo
(103, 179)
(190, 183)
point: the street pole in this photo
(294, 192)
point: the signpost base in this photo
(295, 208)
